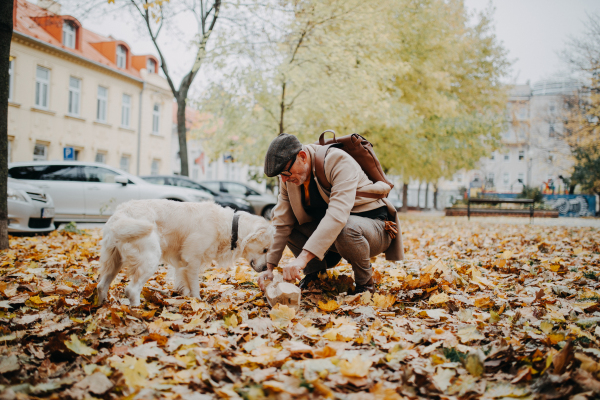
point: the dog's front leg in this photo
(193, 284)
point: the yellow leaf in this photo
(282, 315)
(343, 333)
(134, 370)
(469, 333)
(160, 326)
(546, 326)
(507, 254)
(192, 324)
(331, 305)
(578, 251)
(172, 316)
(383, 301)
(357, 368)
(365, 298)
(78, 347)
(36, 300)
(439, 298)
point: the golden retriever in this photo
(188, 236)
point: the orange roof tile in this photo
(46, 26)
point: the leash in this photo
(234, 230)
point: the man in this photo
(319, 226)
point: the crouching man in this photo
(321, 226)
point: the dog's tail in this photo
(111, 262)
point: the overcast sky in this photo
(533, 31)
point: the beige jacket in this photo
(346, 177)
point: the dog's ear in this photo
(262, 233)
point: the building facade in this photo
(75, 94)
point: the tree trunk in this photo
(6, 29)
(182, 134)
(419, 197)
(405, 197)
(435, 197)
(426, 195)
(282, 108)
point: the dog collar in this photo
(234, 230)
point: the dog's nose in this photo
(264, 268)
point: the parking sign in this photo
(69, 153)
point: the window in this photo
(156, 119)
(124, 163)
(74, 96)
(490, 178)
(47, 172)
(76, 155)
(506, 179)
(521, 155)
(237, 189)
(493, 157)
(69, 32)
(151, 65)
(101, 158)
(155, 167)
(521, 178)
(214, 186)
(11, 73)
(40, 152)
(102, 100)
(9, 150)
(121, 56)
(550, 159)
(507, 157)
(99, 174)
(125, 110)
(42, 84)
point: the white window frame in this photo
(521, 176)
(121, 56)
(507, 157)
(74, 106)
(506, 178)
(42, 89)
(125, 111)
(121, 163)
(11, 74)
(100, 157)
(151, 62)
(40, 157)
(101, 104)
(155, 167)
(521, 155)
(156, 119)
(69, 34)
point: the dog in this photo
(188, 236)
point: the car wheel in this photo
(268, 213)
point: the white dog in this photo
(188, 236)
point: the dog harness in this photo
(234, 230)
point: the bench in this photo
(498, 201)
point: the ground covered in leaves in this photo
(475, 311)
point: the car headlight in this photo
(242, 202)
(15, 195)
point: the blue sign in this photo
(567, 205)
(69, 154)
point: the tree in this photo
(582, 108)
(410, 75)
(153, 15)
(6, 29)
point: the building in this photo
(532, 150)
(76, 94)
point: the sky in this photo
(533, 32)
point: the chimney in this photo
(50, 5)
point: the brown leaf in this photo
(562, 359)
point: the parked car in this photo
(90, 192)
(223, 199)
(262, 203)
(30, 209)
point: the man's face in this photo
(300, 170)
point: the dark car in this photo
(222, 199)
(262, 203)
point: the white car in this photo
(90, 192)
(30, 209)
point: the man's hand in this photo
(265, 277)
(292, 270)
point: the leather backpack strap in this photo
(320, 155)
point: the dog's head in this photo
(257, 243)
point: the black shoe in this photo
(308, 279)
(367, 287)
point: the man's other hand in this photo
(265, 277)
(291, 271)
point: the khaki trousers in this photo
(361, 239)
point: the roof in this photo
(46, 26)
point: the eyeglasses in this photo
(286, 172)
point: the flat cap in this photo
(281, 150)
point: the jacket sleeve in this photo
(283, 220)
(344, 174)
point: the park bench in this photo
(498, 201)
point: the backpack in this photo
(361, 150)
